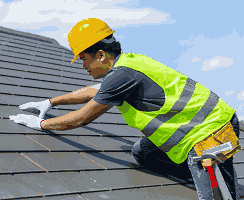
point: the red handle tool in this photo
(215, 187)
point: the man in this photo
(173, 111)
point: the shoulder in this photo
(122, 72)
(118, 74)
(120, 79)
(116, 86)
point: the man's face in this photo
(97, 66)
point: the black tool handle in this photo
(217, 193)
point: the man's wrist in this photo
(52, 102)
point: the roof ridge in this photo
(65, 48)
(28, 35)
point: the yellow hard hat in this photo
(86, 33)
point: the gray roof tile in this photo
(15, 163)
(11, 187)
(59, 182)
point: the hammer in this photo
(219, 187)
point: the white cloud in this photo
(196, 59)
(241, 95)
(39, 13)
(3, 10)
(229, 46)
(216, 62)
(240, 106)
(65, 35)
(229, 92)
(241, 118)
(65, 14)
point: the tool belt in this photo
(223, 135)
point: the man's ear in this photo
(102, 54)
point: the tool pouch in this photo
(223, 135)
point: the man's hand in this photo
(28, 120)
(43, 106)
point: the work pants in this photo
(150, 156)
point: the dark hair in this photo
(113, 48)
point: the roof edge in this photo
(65, 48)
(28, 35)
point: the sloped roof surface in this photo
(91, 162)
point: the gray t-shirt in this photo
(125, 84)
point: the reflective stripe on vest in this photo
(178, 107)
(190, 113)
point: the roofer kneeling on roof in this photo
(173, 111)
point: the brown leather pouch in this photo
(223, 135)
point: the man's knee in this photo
(136, 148)
(137, 153)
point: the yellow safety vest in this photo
(191, 112)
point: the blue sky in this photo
(202, 40)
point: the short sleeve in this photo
(116, 87)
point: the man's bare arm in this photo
(91, 111)
(80, 96)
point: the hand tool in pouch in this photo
(220, 190)
(208, 149)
